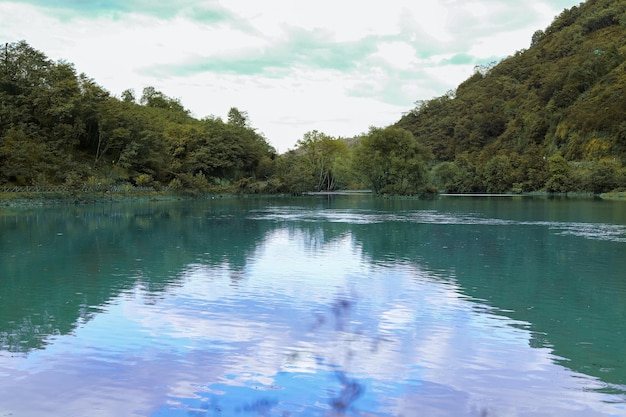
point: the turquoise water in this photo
(320, 306)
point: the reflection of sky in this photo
(301, 328)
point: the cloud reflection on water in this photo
(272, 345)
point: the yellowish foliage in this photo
(596, 148)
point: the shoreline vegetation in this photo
(58, 199)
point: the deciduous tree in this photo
(392, 161)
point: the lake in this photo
(315, 306)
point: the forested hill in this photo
(548, 117)
(60, 127)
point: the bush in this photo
(144, 180)
(603, 176)
(175, 185)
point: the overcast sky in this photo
(336, 66)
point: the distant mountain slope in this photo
(566, 93)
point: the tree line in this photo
(59, 127)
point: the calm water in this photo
(315, 307)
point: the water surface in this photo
(320, 306)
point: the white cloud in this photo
(397, 54)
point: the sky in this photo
(335, 66)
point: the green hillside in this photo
(60, 127)
(551, 117)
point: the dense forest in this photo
(551, 117)
(548, 118)
(57, 127)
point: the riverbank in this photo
(55, 199)
(39, 199)
(616, 195)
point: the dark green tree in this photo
(447, 176)
(559, 171)
(392, 161)
(604, 175)
(128, 96)
(498, 174)
(238, 118)
(294, 173)
(151, 97)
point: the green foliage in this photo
(156, 99)
(237, 117)
(325, 155)
(559, 180)
(537, 37)
(294, 173)
(176, 184)
(532, 169)
(74, 183)
(447, 177)
(470, 181)
(565, 95)
(319, 163)
(56, 125)
(599, 19)
(25, 160)
(604, 175)
(392, 161)
(547, 118)
(498, 174)
(144, 180)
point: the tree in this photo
(96, 109)
(294, 173)
(238, 118)
(113, 131)
(532, 169)
(446, 176)
(604, 175)
(537, 37)
(54, 123)
(469, 179)
(22, 67)
(128, 96)
(23, 73)
(324, 153)
(559, 180)
(392, 161)
(56, 106)
(498, 174)
(25, 160)
(151, 97)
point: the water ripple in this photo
(594, 231)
